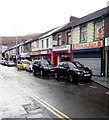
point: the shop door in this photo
(64, 57)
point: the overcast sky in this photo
(22, 17)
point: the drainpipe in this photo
(71, 54)
(103, 54)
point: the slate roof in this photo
(84, 19)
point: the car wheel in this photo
(34, 73)
(18, 68)
(71, 79)
(56, 76)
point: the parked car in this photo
(10, 63)
(29, 67)
(22, 64)
(43, 67)
(74, 71)
(3, 62)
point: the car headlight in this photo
(78, 72)
(45, 67)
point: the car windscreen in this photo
(46, 62)
(77, 64)
(25, 62)
(71, 65)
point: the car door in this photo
(62, 69)
(36, 66)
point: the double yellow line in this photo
(52, 109)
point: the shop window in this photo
(83, 34)
(98, 30)
(69, 38)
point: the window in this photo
(37, 44)
(42, 44)
(47, 44)
(69, 38)
(83, 34)
(98, 31)
(59, 39)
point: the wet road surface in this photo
(82, 100)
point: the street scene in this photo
(24, 95)
(54, 59)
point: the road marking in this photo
(52, 109)
(107, 93)
(93, 87)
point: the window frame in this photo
(82, 32)
(59, 39)
(95, 30)
(69, 36)
(42, 43)
(47, 43)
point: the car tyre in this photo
(34, 73)
(56, 76)
(18, 68)
(71, 79)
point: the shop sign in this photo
(24, 55)
(106, 41)
(62, 47)
(34, 53)
(44, 52)
(95, 44)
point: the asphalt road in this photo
(81, 100)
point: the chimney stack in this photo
(73, 18)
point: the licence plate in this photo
(86, 74)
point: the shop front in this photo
(25, 55)
(41, 54)
(89, 54)
(61, 53)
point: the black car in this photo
(74, 71)
(43, 67)
(3, 62)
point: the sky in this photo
(23, 17)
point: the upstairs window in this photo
(59, 39)
(83, 34)
(37, 44)
(68, 38)
(47, 44)
(98, 30)
(42, 44)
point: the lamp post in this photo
(16, 42)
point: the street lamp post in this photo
(16, 40)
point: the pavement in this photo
(104, 81)
(14, 103)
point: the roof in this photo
(38, 36)
(51, 32)
(87, 18)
